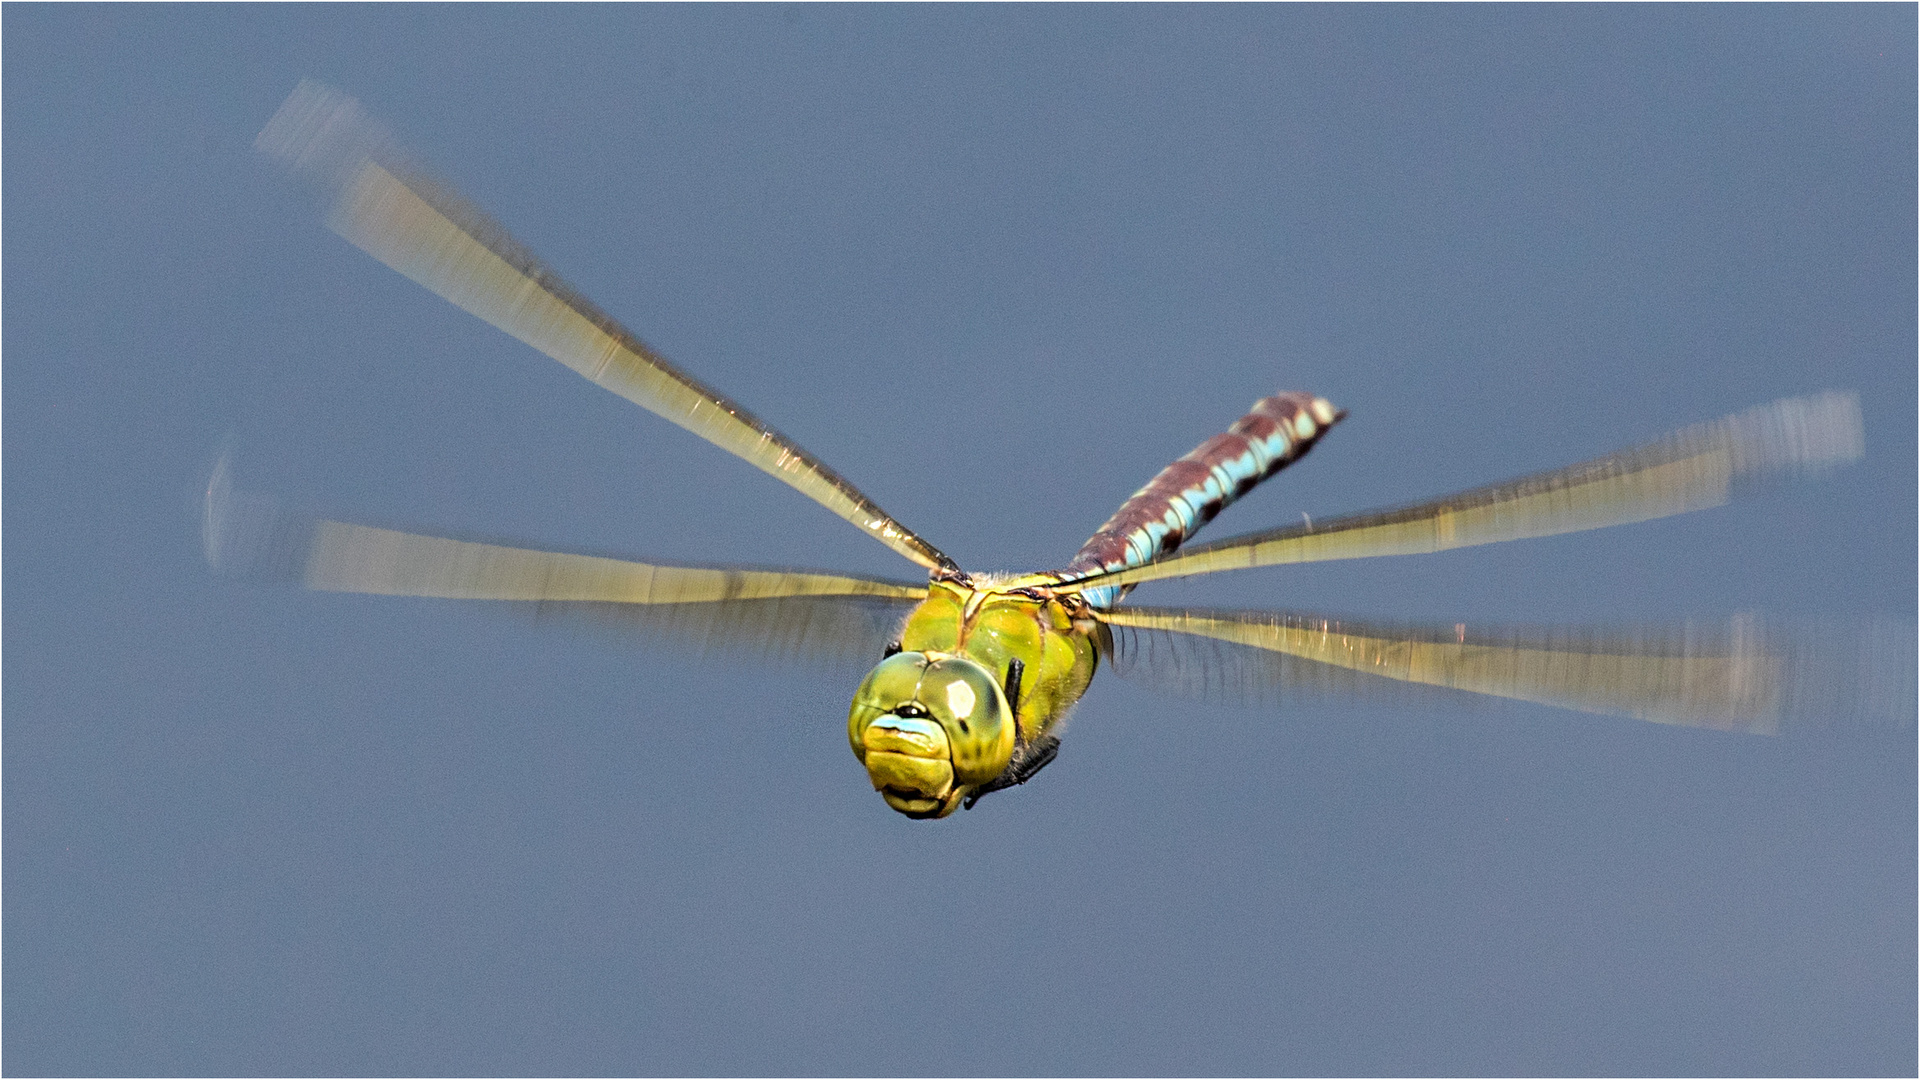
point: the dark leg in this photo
(1028, 759)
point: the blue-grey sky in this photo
(998, 265)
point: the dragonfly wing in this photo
(1743, 675)
(425, 230)
(851, 632)
(800, 612)
(1692, 469)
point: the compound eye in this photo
(891, 684)
(967, 701)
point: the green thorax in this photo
(1051, 636)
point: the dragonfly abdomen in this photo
(1190, 492)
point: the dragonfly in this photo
(977, 672)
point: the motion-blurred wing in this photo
(1689, 470)
(795, 611)
(1728, 678)
(426, 231)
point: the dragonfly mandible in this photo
(977, 672)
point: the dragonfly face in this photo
(930, 728)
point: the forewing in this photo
(1745, 674)
(422, 228)
(1689, 470)
(798, 612)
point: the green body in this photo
(933, 724)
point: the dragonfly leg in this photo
(1028, 759)
(1040, 752)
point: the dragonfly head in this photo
(930, 727)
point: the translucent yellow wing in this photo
(345, 557)
(426, 231)
(798, 611)
(1689, 470)
(1729, 677)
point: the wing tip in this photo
(250, 537)
(216, 508)
(1809, 435)
(322, 132)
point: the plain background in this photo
(998, 265)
